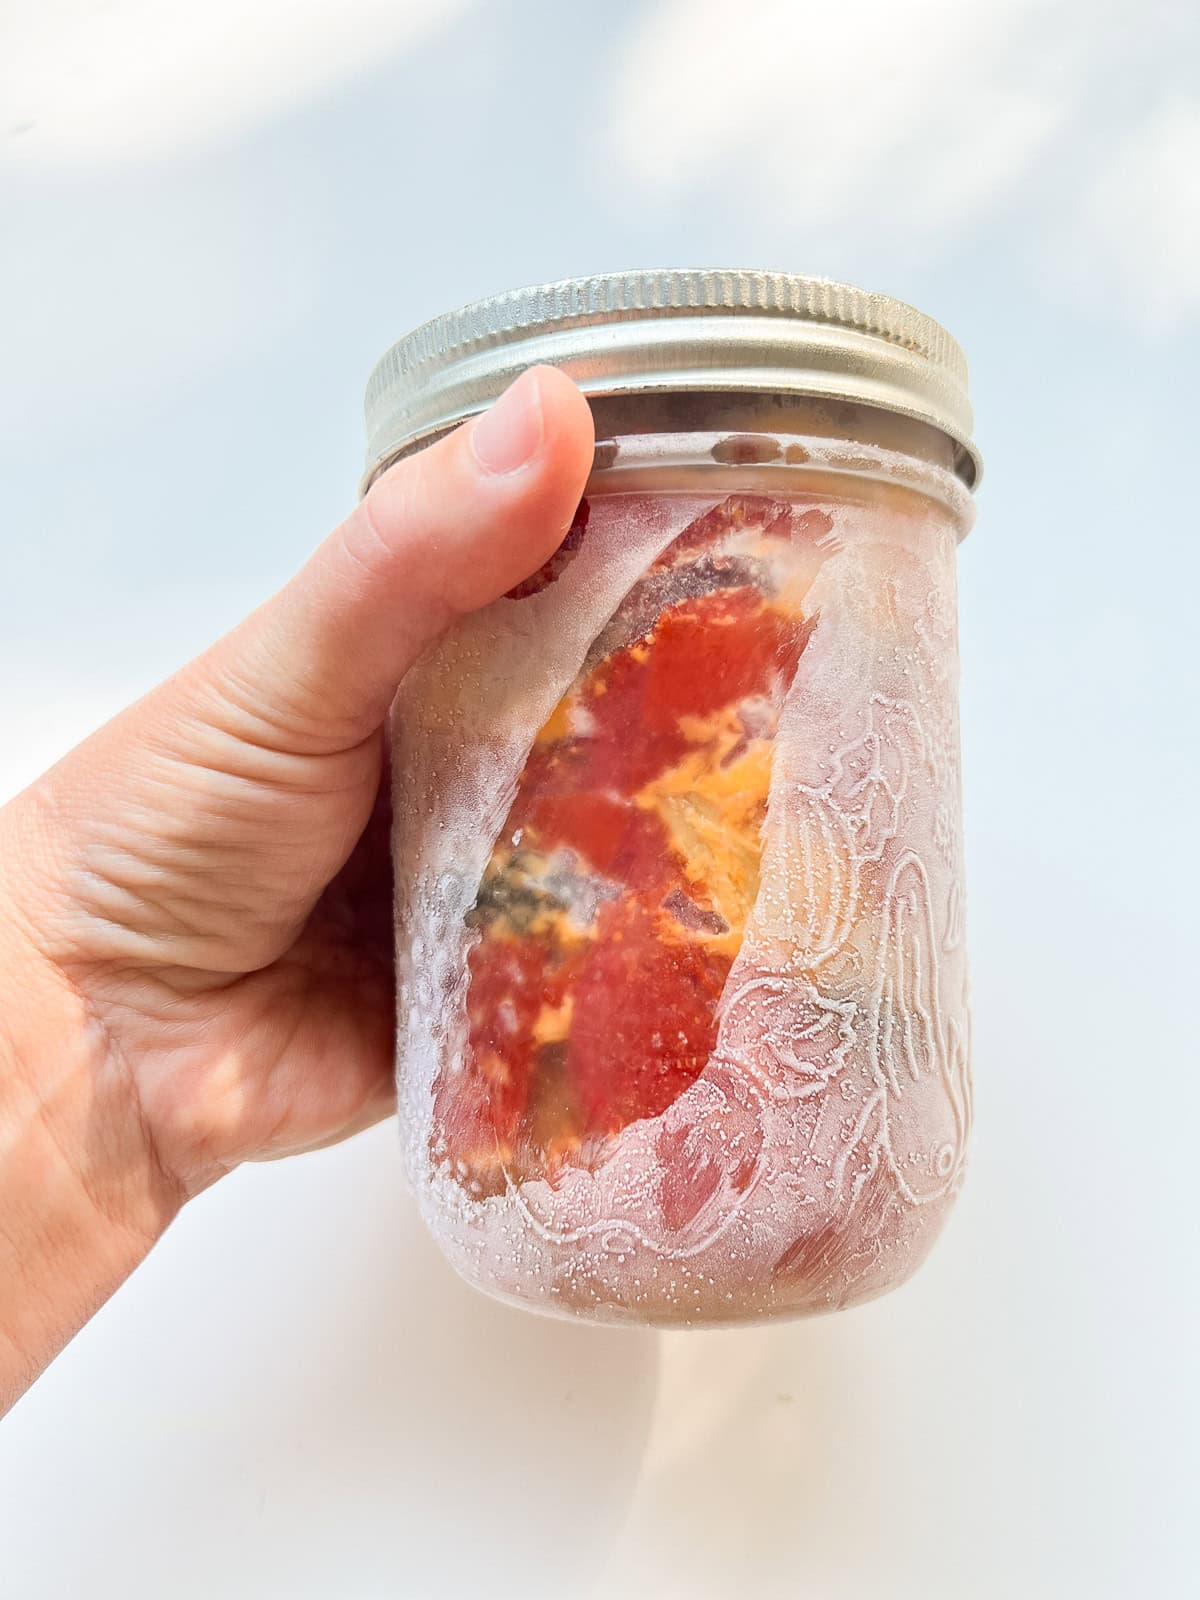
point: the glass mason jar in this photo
(683, 1029)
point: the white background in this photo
(214, 219)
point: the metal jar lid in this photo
(661, 332)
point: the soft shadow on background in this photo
(297, 1397)
(216, 218)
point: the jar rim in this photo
(666, 331)
(844, 461)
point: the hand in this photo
(195, 904)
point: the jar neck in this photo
(799, 415)
(719, 445)
(714, 443)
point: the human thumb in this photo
(199, 827)
(440, 533)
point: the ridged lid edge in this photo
(438, 373)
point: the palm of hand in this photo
(248, 1014)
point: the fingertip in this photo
(540, 424)
(521, 511)
(569, 428)
(570, 444)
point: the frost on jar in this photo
(683, 1021)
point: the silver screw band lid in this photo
(669, 331)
